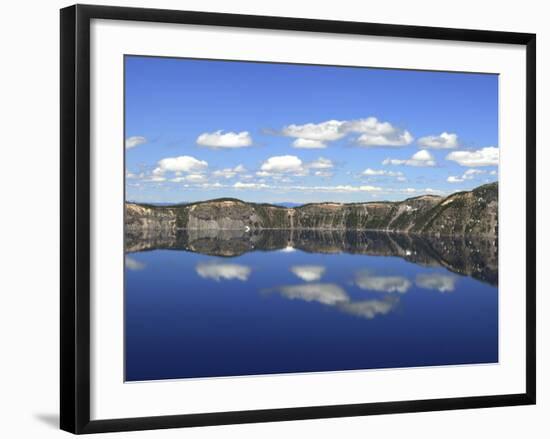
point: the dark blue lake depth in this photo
(212, 306)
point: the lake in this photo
(229, 303)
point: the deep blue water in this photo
(189, 314)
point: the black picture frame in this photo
(75, 217)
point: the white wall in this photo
(29, 217)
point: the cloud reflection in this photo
(369, 308)
(218, 271)
(335, 296)
(308, 273)
(327, 294)
(441, 282)
(133, 264)
(367, 280)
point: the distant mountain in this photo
(465, 213)
(182, 203)
(285, 204)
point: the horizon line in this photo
(278, 204)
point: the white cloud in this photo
(468, 175)
(308, 144)
(218, 271)
(487, 156)
(319, 132)
(219, 139)
(281, 182)
(441, 282)
(443, 141)
(429, 190)
(327, 294)
(283, 164)
(471, 172)
(285, 188)
(372, 132)
(336, 189)
(280, 167)
(132, 175)
(376, 133)
(132, 142)
(454, 179)
(422, 158)
(410, 190)
(321, 163)
(367, 280)
(195, 178)
(323, 174)
(133, 264)
(374, 172)
(215, 185)
(308, 273)
(295, 188)
(191, 178)
(156, 179)
(241, 185)
(229, 172)
(182, 163)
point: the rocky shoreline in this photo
(469, 213)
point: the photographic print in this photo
(293, 218)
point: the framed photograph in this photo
(268, 218)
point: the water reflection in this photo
(367, 280)
(370, 308)
(335, 296)
(207, 303)
(217, 271)
(327, 294)
(132, 264)
(308, 273)
(435, 281)
(475, 257)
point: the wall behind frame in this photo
(29, 218)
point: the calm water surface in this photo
(230, 303)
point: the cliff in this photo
(471, 213)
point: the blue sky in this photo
(200, 129)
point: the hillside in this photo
(472, 213)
